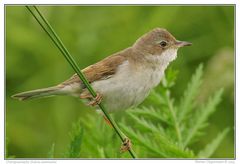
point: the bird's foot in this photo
(126, 145)
(96, 100)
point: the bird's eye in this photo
(163, 43)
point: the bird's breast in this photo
(128, 87)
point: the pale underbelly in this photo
(121, 98)
(127, 93)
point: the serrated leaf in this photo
(162, 146)
(152, 113)
(186, 102)
(76, 141)
(212, 146)
(169, 79)
(202, 115)
(142, 140)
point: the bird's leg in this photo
(126, 145)
(94, 100)
(87, 95)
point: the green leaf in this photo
(76, 141)
(169, 79)
(143, 141)
(202, 115)
(101, 152)
(156, 114)
(212, 146)
(159, 146)
(185, 105)
(147, 125)
(173, 116)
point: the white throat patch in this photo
(169, 55)
(163, 59)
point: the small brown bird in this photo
(124, 79)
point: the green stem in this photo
(57, 41)
(175, 121)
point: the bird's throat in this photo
(161, 60)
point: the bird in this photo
(124, 79)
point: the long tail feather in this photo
(38, 93)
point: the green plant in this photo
(74, 148)
(159, 130)
(76, 141)
(168, 129)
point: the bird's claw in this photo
(126, 145)
(96, 100)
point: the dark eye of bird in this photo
(163, 43)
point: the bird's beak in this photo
(182, 43)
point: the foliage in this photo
(158, 131)
(211, 147)
(76, 141)
(168, 130)
(74, 147)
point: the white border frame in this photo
(124, 2)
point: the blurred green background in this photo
(91, 33)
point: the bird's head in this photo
(159, 42)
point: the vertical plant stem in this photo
(174, 118)
(57, 41)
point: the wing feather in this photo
(101, 70)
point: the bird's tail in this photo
(38, 93)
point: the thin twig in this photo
(57, 41)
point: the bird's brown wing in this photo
(102, 70)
